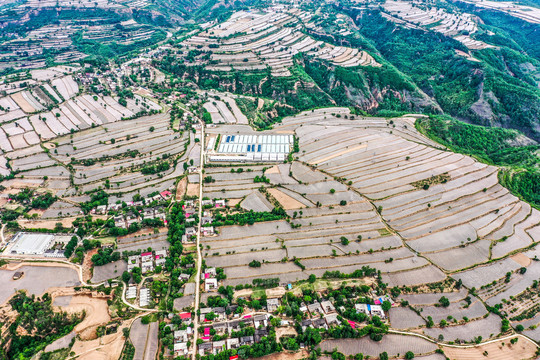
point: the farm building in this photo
(246, 148)
(144, 297)
(31, 244)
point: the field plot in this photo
(269, 38)
(498, 350)
(392, 344)
(404, 318)
(438, 201)
(142, 242)
(36, 280)
(121, 160)
(109, 271)
(486, 327)
(343, 232)
(145, 340)
(436, 19)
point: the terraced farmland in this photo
(375, 192)
(269, 38)
(457, 25)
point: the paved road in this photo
(199, 255)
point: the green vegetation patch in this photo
(497, 146)
(36, 317)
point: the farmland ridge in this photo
(226, 180)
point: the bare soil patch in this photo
(243, 293)
(45, 224)
(108, 347)
(23, 104)
(286, 356)
(521, 259)
(273, 170)
(181, 188)
(233, 202)
(523, 349)
(275, 292)
(97, 313)
(284, 331)
(330, 157)
(285, 200)
(192, 190)
(87, 265)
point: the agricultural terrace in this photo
(139, 158)
(436, 19)
(528, 13)
(25, 120)
(224, 110)
(374, 192)
(269, 38)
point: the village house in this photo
(133, 262)
(181, 335)
(180, 349)
(319, 324)
(376, 310)
(218, 346)
(220, 328)
(210, 285)
(328, 307)
(332, 319)
(260, 320)
(362, 308)
(147, 263)
(315, 308)
(247, 340)
(208, 230)
(272, 305)
(305, 324)
(233, 343)
(160, 257)
(205, 348)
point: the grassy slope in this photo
(520, 164)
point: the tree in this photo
(386, 305)
(126, 276)
(145, 320)
(409, 355)
(255, 264)
(444, 301)
(383, 356)
(312, 278)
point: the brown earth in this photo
(285, 200)
(23, 104)
(285, 356)
(108, 347)
(192, 190)
(332, 156)
(145, 231)
(97, 313)
(50, 224)
(87, 265)
(283, 331)
(521, 259)
(523, 349)
(181, 188)
(233, 202)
